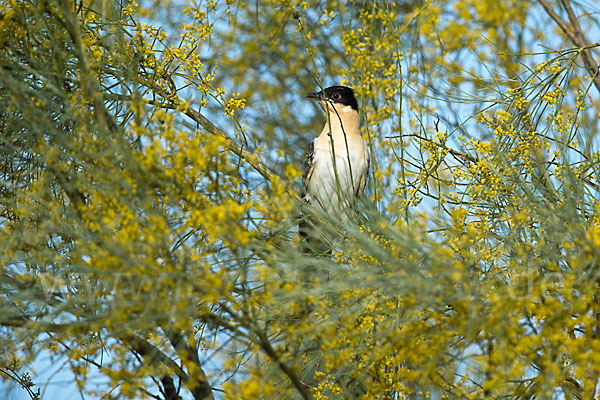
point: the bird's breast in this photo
(338, 170)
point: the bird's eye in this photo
(336, 96)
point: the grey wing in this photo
(311, 232)
(308, 168)
(304, 226)
(362, 181)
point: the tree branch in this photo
(236, 148)
(576, 36)
(265, 344)
(149, 351)
(201, 389)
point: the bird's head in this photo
(340, 98)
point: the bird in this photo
(335, 168)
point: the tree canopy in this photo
(150, 156)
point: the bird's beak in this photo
(315, 96)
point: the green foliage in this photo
(142, 242)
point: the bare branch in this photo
(198, 387)
(576, 36)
